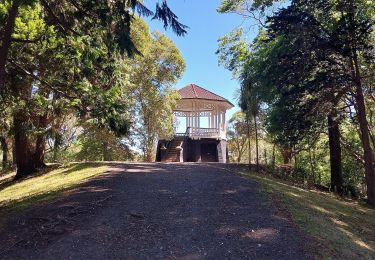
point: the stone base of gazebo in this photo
(192, 150)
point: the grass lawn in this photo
(342, 229)
(19, 195)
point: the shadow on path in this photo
(157, 211)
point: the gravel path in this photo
(157, 211)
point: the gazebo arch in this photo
(198, 143)
(197, 103)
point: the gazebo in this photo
(205, 137)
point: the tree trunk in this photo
(335, 154)
(40, 148)
(265, 156)
(5, 150)
(23, 155)
(13, 153)
(256, 141)
(6, 40)
(363, 126)
(42, 121)
(239, 157)
(55, 150)
(40, 145)
(106, 156)
(149, 157)
(248, 138)
(312, 165)
(149, 149)
(21, 119)
(249, 144)
(368, 153)
(286, 154)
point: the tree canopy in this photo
(308, 70)
(83, 60)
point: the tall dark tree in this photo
(5, 151)
(335, 153)
(337, 35)
(308, 68)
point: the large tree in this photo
(307, 67)
(152, 76)
(333, 39)
(67, 56)
(73, 18)
(75, 71)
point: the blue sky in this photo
(198, 47)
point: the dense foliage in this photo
(70, 73)
(310, 71)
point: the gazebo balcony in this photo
(199, 133)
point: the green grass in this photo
(342, 229)
(19, 195)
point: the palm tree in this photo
(251, 106)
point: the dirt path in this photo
(157, 211)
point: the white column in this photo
(192, 120)
(199, 120)
(213, 119)
(224, 121)
(221, 120)
(197, 113)
(196, 119)
(192, 115)
(217, 119)
(209, 119)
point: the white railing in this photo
(204, 132)
(193, 132)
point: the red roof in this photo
(193, 91)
